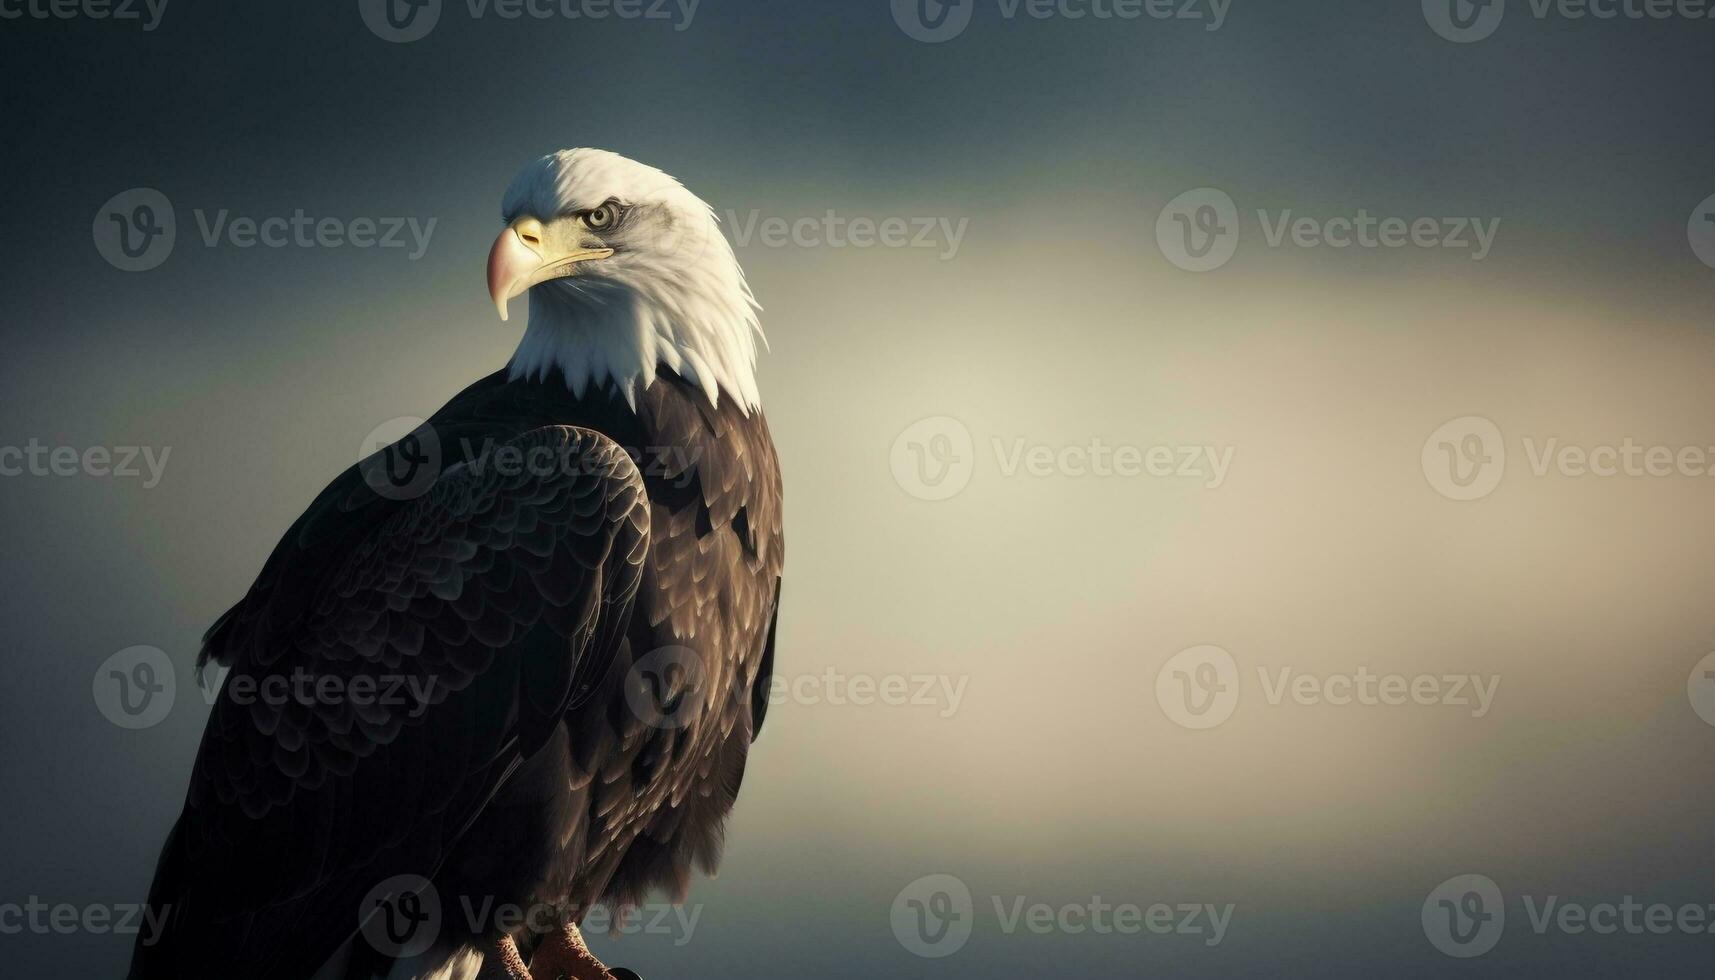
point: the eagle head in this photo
(626, 271)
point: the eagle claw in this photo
(563, 956)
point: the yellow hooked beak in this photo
(529, 252)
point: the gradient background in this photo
(1059, 321)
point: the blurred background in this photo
(1106, 250)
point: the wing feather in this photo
(441, 648)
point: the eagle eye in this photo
(601, 218)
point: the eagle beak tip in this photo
(507, 261)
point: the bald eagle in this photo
(572, 605)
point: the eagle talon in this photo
(564, 956)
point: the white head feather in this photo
(672, 294)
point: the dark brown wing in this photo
(443, 646)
